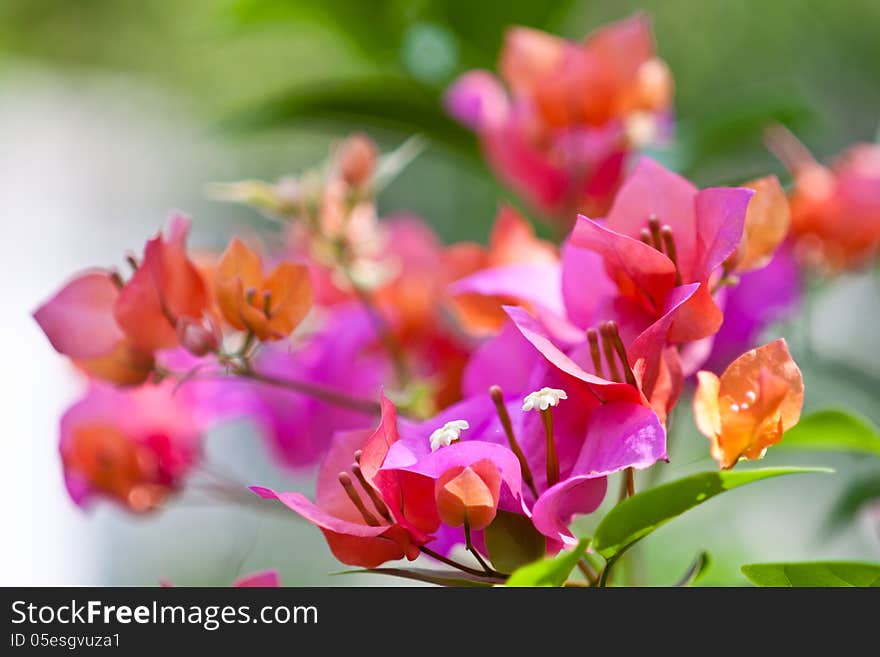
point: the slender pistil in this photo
(374, 496)
(654, 226)
(497, 396)
(607, 329)
(552, 457)
(593, 339)
(621, 353)
(671, 253)
(352, 493)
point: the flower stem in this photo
(473, 550)
(460, 566)
(322, 393)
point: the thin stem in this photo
(606, 571)
(589, 574)
(460, 566)
(470, 546)
(323, 393)
(627, 485)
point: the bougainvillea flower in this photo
(462, 482)
(166, 288)
(835, 211)
(514, 254)
(757, 398)
(80, 324)
(694, 232)
(573, 111)
(599, 426)
(349, 507)
(134, 446)
(766, 225)
(618, 436)
(760, 298)
(270, 307)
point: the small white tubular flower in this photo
(448, 434)
(543, 399)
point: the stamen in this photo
(607, 346)
(497, 396)
(352, 493)
(654, 225)
(374, 496)
(593, 339)
(671, 253)
(621, 353)
(645, 236)
(544, 400)
(267, 304)
(552, 457)
(447, 434)
(132, 261)
(250, 294)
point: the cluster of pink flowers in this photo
(463, 395)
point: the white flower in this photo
(543, 399)
(448, 434)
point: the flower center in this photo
(663, 240)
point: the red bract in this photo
(134, 446)
(663, 232)
(349, 508)
(573, 112)
(835, 211)
(166, 288)
(111, 329)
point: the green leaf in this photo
(833, 430)
(549, 572)
(818, 573)
(696, 570)
(638, 516)
(391, 102)
(439, 577)
(513, 541)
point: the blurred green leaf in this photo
(638, 516)
(735, 125)
(833, 430)
(549, 572)
(855, 496)
(439, 577)
(512, 541)
(696, 570)
(819, 573)
(391, 102)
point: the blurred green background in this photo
(144, 102)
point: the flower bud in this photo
(469, 494)
(356, 159)
(197, 338)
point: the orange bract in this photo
(512, 242)
(766, 225)
(270, 307)
(612, 73)
(745, 411)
